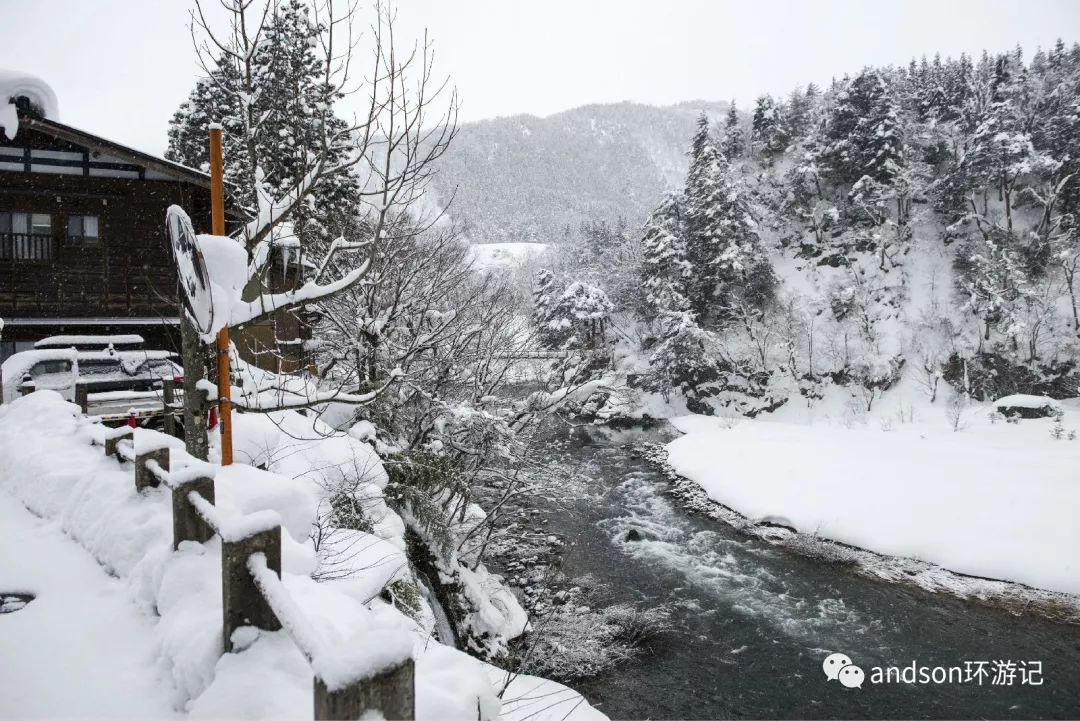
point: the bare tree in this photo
(409, 121)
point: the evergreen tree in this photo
(579, 317)
(864, 133)
(798, 114)
(292, 108)
(294, 103)
(1001, 152)
(214, 100)
(546, 292)
(769, 133)
(684, 361)
(664, 267)
(722, 246)
(734, 144)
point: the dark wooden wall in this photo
(128, 274)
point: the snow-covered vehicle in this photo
(117, 381)
(52, 368)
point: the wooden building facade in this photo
(83, 245)
(84, 248)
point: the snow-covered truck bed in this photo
(115, 406)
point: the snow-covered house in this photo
(83, 246)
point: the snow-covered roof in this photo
(67, 341)
(45, 118)
(15, 84)
(57, 129)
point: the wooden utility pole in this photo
(217, 224)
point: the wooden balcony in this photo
(27, 248)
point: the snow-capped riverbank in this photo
(947, 511)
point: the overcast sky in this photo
(121, 67)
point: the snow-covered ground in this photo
(993, 499)
(496, 255)
(119, 613)
(82, 631)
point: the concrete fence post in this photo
(391, 693)
(82, 397)
(188, 523)
(113, 441)
(144, 477)
(242, 602)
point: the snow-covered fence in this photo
(348, 682)
(130, 406)
(111, 437)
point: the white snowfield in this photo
(79, 612)
(993, 500)
(503, 255)
(102, 549)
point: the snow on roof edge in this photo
(15, 84)
(64, 341)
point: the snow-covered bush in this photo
(576, 640)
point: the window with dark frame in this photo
(83, 230)
(25, 236)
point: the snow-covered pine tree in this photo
(214, 100)
(587, 308)
(726, 264)
(798, 115)
(769, 134)
(295, 104)
(291, 107)
(187, 145)
(864, 135)
(734, 144)
(1000, 152)
(546, 294)
(684, 361)
(664, 266)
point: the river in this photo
(753, 622)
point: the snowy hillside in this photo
(525, 179)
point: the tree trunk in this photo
(193, 354)
(1008, 205)
(1072, 298)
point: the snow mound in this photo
(1021, 400)
(15, 84)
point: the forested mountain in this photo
(525, 178)
(909, 222)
